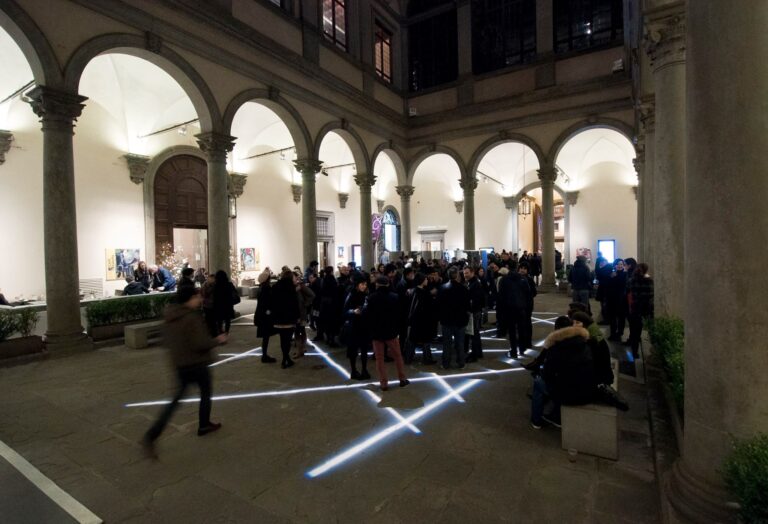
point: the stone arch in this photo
(390, 207)
(593, 123)
(33, 43)
(424, 154)
(503, 138)
(272, 100)
(536, 184)
(353, 141)
(158, 54)
(396, 156)
(149, 190)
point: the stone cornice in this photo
(380, 205)
(6, 137)
(137, 167)
(571, 197)
(647, 111)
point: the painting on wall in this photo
(121, 262)
(340, 251)
(249, 259)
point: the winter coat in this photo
(580, 277)
(306, 299)
(224, 299)
(285, 303)
(532, 292)
(135, 288)
(262, 318)
(601, 355)
(359, 331)
(534, 265)
(641, 296)
(421, 317)
(513, 292)
(143, 277)
(476, 295)
(617, 291)
(329, 302)
(569, 371)
(187, 337)
(381, 314)
(453, 304)
(163, 278)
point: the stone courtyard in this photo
(465, 452)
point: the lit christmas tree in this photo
(168, 258)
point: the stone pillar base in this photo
(546, 288)
(693, 500)
(62, 345)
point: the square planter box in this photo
(110, 331)
(18, 347)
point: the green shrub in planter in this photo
(668, 338)
(22, 321)
(8, 324)
(128, 309)
(746, 476)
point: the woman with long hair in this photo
(640, 300)
(225, 296)
(285, 312)
(358, 337)
(141, 275)
(262, 318)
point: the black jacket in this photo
(263, 318)
(476, 295)
(285, 303)
(358, 323)
(580, 277)
(135, 288)
(569, 371)
(453, 304)
(513, 292)
(421, 316)
(381, 314)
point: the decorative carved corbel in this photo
(380, 205)
(236, 184)
(296, 190)
(343, 197)
(459, 205)
(137, 167)
(6, 137)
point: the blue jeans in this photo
(539, 400)
(453, 342)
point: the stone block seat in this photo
(137, 335)
(593, 428)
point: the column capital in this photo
(571, 197)
(6, 137)
(307, 166)
(405, 192)
(647, 112)
(511, 202)
(296, 190)
(215, 145)
(56, 107)
(547, 175)
(236, 184)
(665, 38)
(459, 205)
(468, 184)
(343, 197)
(365, 181)
(380, 205)
(137, 167)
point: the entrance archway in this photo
(181, 208)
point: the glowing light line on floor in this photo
(316, 389)
(237, 356)
(448, 388)
(542, 321)
(373, 396)
(381, 435)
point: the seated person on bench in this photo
(567, 376)
(134, 287)
(601, 353)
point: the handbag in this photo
(470, 329)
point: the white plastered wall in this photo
(437, 187)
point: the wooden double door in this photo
(181, 198)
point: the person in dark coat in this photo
(315, 285)
(421, 319)
(328, 322)
(404, 290)
(190, 348)
(534, 264)
(640, 300)
(513, 300)
(262, 318)
(476, 306)
(141, 275)
(581, 282)
(617, 300)
(306, 299)
(601, 353)
(603, 270)
(133, 287)
(453, 304)
(355, 325)
(186, 280)
(285, 313)
(381, 315)
(527, 335)
(225, 296)
(568, 374)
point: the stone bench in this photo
(593, 428)
(137, 335)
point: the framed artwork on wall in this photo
(121, 262)
(249, 259)
(340, 252)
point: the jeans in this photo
(477, 347)
(539, 400)
(453, 342)
(582, 296)
(199, 375)
(379, 347)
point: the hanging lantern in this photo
(524, 207)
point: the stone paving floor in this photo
(477, 460)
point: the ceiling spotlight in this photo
(183, 130)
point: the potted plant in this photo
(107, 318)
(21, 322)
(745, 472)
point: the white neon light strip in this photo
(448, 388)
(373, 396)
(381, 435)
(340, 387)
(235, 357)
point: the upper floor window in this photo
(383, 51)
(433, 51)
(503, 33)
(335, 22)
(581, 24)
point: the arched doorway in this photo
(389, 240)
(181, 209)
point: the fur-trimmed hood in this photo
(565, 334)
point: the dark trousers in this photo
(635, 331)
(210, 321)
(526, 336)
(358, 347)
(617, 317)
(200, 375)
(501, 323)
(286, 336)
(474, 339)
(222, 325)
(516, 320)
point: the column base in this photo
(547, 286)
(58, 344)
(694, 500)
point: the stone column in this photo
(309, 170)
(547, 176)
(405, 192)
(512, 203)
(639, 163)
(216, 146)
(725, 316)
(469, 184)
(570, 200)
(365, 182)
(58, 111)
(665, 43)
(647, 124)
